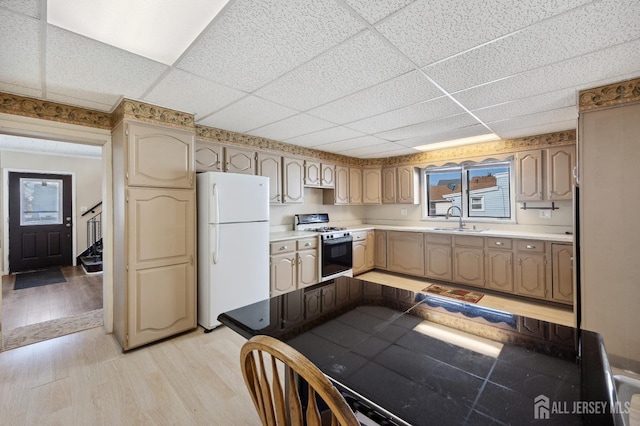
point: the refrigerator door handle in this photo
(216, 247)
(216, 203)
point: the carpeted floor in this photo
(34, 333)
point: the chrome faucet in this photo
(461, 226)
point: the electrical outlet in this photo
(403, 212)
(545, 214)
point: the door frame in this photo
(46, 129)
(5, 211)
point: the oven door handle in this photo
(335, 241)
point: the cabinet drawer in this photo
(534, 246)
(499, 243)
(307, 243)
(282, 247)
(359, 236)
(463, 240)
(439, 239)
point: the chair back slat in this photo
(268, 398)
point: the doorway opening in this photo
(45, 196)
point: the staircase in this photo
(91, 258)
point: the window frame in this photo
(464, 169)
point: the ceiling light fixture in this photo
(458, 142)
(156, 29)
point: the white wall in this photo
(88, 181)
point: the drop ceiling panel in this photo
(189, 93)
(540, 129)
(535, 104)
(90, 70)
(247, 114)
(446, 135)
(541, 118)
(291, 127)
(107, 103)
(360, 62)
(21, 90)
(418, 113)
(26, 7)
(581, 31)
(254, 42)
(582, 72)
(324, 136)
(348, 144)
(427, 127)
(431, 30)
(387, 149)
(20, 51)
(404, 90)
(374, 11)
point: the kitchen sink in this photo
(458, 230)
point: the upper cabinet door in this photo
(293, 178)
(208, 157)
(371, 181)
(240, 161)
(311, 173)
(342, 185)
(355, 186)
(560, 164)
(159, 156)
(529, 177)
(389, 185)
(328, 175)
(407, 185)
(270, 166)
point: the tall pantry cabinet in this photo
(154, 220)
(608, 157)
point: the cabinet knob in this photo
(499, 243)
(307, 244)
(283, 248)
(529, 246)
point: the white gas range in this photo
(337, 244)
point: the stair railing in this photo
(94, 233)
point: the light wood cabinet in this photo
(355, 186)
(545, 174)
(560, 163)
(380, 250)
(371, 186)
(341, 191)
(319, 300)
(530, 269)
(312, 173)
(405, 252)
(408, 185)
(238, 160)
(468, 260)
(562, 273)
(293, 178)
(308, 261)
(438, 263)
(159, 157)
(270, 165)
(529, 176)
(327, 175)
(209, 156)
(389, 185)
(363, 251)
(371, 251)
(154, 277)
(499, 264)
(294, 264)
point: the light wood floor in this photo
(192, 379)
(81, 293)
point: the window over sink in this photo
(477, 191)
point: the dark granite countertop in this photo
(420, 359)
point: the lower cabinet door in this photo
(500, 270)
(468, 266)
(283, 273)
(307, 268)
(438, 262)
(530, 279)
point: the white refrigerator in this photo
(233, 243)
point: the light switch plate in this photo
(545, 214)
(403, 212)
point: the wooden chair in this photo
(278, 406)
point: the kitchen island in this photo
(413, 358)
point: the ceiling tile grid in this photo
(377, 10)
(189, 93)
(414, 114)
(387, 149)
(575, 33)
(344, 145)
(445, 135)
(433, 126)
(291, 127)
(533, 120)
(255, 41)
(404, 90)
(360, 62)
(85, 69)
(20, 54)
(541, 129)
(249, 113)
(324, 136)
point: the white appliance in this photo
(233, 243)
